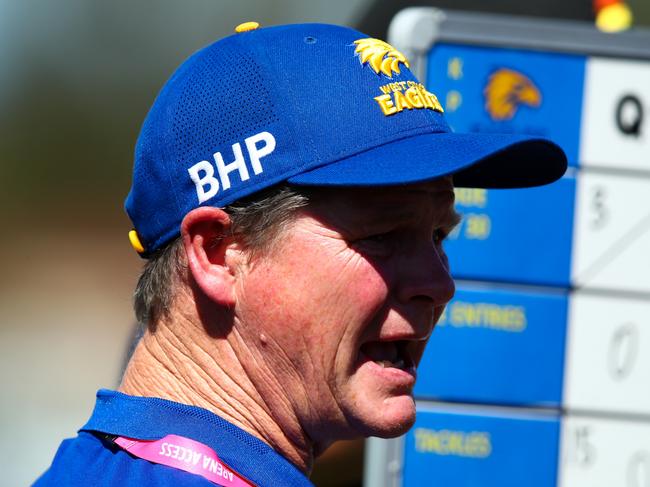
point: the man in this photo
(291, 191)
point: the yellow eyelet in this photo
(246, 26)
(135, 242)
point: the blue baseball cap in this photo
(309, 104)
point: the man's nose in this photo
(424, 275)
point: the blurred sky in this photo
(76, 80)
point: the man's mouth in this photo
(394, 354)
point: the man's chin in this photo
(391, 419)
(393, 432)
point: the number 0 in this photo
(638, 470)
(623, 350)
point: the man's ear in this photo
(206, 236)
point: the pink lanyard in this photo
(184, 454)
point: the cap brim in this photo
(475, 160)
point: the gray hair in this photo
(256, 221)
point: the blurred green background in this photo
(76, 80)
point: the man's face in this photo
(339, 312)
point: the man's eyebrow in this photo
(388, 214)
(449, 220)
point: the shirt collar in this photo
(150, 418)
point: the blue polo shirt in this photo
(91, 459)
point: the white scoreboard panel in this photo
(612, 227)
(598, 452)
(538, 374)
(616, 108)
(608, 355)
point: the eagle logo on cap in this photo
(380, 56)
(506, 90)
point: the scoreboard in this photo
(538, 373)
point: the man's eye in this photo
(378, 244)
(378, 238)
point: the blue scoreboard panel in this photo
(538, 373)
(483, 245)
(512, 91)
(511, 450)
(490, 333)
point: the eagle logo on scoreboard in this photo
(380, 56)
(506, 91)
